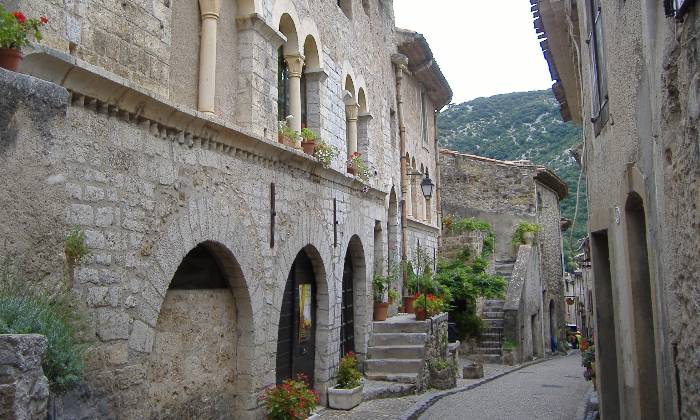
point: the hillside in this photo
(522, 125)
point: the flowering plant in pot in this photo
(347, 394)
(358, 167)
(290, 400)
(308, 140)
(285, 134)
(325, 153)
(15, 32)
(380, 285)
(428, 305)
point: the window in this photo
(599, 85)
(282, 86)
(423, 117)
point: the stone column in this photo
(351, 112)
(295, 64)
(363, 121)
(209, 10)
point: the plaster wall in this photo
(649, 147)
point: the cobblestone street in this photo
(549, 390)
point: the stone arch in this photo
(312, 45)
(552, 322)
(362, 101)
(355, 252)
(361, 85)
(349, 89)
(348, 72)
(288, 27)
(234, 325)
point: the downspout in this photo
(400, 62)
(438, 204)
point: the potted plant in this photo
(380, 284)
(428, 305)
(308, 140)
(441, 374)
(525, 234)
(411, 288)
(15, 31)
(509, 350)
(347, 394)
(393, 296)
(292, 399)
(325, 153)
(285, 134)
(358, 167)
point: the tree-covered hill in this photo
(522, 125)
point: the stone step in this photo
(483, 350)
(493, 314)
(396, 352)
(400, 327)
(491, 335)
(393, 365)
(404, 378)
(397, 339)
(490, 344)
(491, 323)
(492, 330)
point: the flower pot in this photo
(528, 238)
(352, 170)
(380, 311)
(308, 146)
(420, 314)
(408, 304)
(10, 58)
(344, 399)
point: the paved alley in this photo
(549, 390)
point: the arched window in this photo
(282, 86)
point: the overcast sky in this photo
(483, 47)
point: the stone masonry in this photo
(24, 390)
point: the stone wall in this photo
(453, 244)
(522, 310)
(24, 390)
(498, 192)
(436, 347)
(144, 200)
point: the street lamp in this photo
(427, 186)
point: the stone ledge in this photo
(103, 92)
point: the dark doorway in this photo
(296, 340)
(606, 348)
(552, 329)
(642, 306)
(533, 328)
(347, 314)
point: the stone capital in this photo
(351, 112)
(295, 63)
(209, 8)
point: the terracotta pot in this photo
(420, 314)
(408, 304)
(309, 147)
(10, 58)
(380, 311)
(352, 170)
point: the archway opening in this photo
(354, 314)
(640, 280)
(205, 307)
(552, 328)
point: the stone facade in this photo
(504, 194)
(24, 390)
(133, 156)
(639, 111)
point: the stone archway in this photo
(354, 314)
(200, 363)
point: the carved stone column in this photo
(295, 64)
(209, 11)
(351, 112)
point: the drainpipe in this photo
(400, 62)
(438, 184)
(209, 11)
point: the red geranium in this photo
(44, 20)
(20, 17)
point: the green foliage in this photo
(349, 375)
(431, 304)
(393, 296)
(291, 400)
(509, 345)
(455, 226)
(381, 284)
(522, 125)
(25, 308)
(75, 247)
(325, 153)
(521, 230)
(308, 134)
(361, 167)
(16, 29)
(438, 364)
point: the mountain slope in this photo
(522, 125)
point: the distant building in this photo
(629, 73)
(505, 193)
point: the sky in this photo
(484, 48)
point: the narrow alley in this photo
(549, 390)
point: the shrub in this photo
(439, 364)
(509, 345)
(431, 304)
(27, 309)
(291, 400)
(75, 247)
(349, 375)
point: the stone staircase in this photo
(491, 341)
(504, 268)
(396, 350)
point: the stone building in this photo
(505, 193)
(628, 72)
(221, 260)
